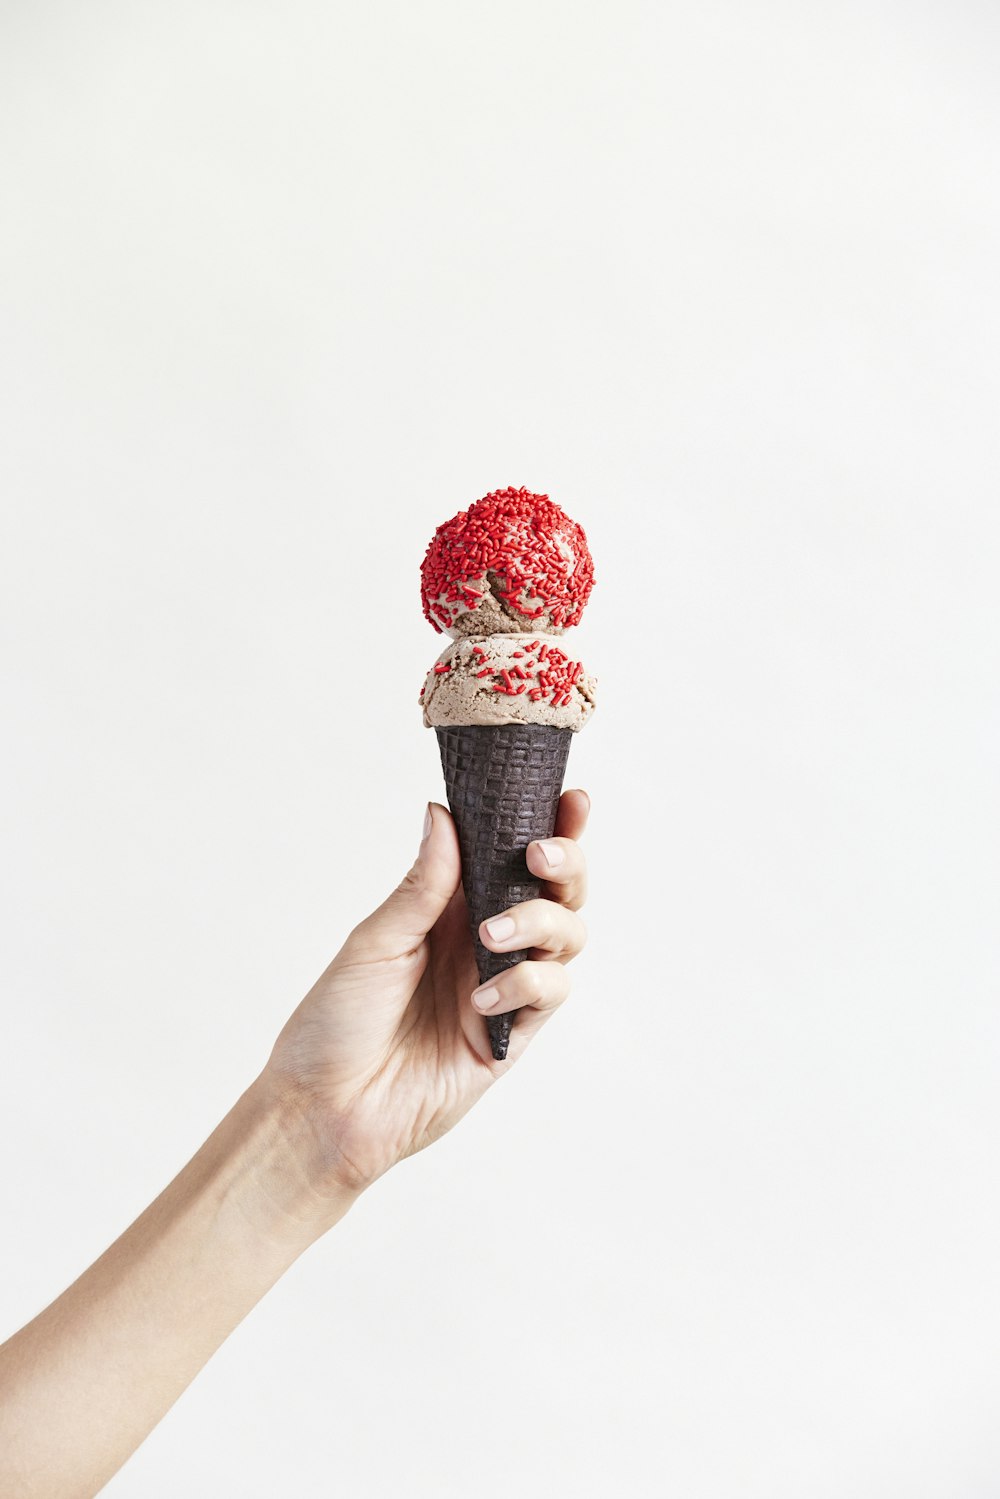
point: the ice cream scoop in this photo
(513, 562)
(497, 679)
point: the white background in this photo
(283, 286)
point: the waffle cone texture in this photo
(503, 783)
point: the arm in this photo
(383, 1056)
(88, 1379)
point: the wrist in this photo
(286, 1192)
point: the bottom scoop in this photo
(501, 679)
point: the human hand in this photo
(390, 1048)
(383, 1056)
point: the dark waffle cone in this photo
(503, 783)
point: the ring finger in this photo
(540, 986)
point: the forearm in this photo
(83, 1384)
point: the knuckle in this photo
(412, 882)
(548, 917)
(566, 927)
(536, 921)
(556, 988)
(534, 985)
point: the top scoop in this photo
(512, 562)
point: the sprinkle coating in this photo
(515, 557)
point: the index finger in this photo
(571, 819)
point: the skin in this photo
(383, 1056)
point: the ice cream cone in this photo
(503, 783)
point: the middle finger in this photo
(561, 863)
(546, 928)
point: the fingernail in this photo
(501, 927)
(552, 853)
(484, 999)
(428, 823)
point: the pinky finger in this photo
(534, 991)
(528, 985)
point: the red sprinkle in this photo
(440, 666)
(487, 671)
(523, 540)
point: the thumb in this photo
(402, 921)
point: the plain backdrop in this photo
(281, 288)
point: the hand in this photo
(389, 1048)
(383, 1056)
